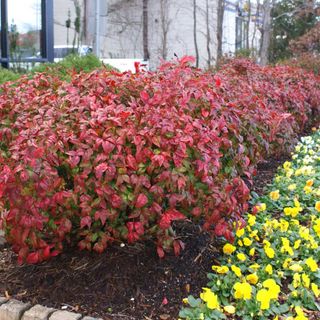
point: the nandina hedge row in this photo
(116, 157)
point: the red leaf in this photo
(160, 252)
(144, 96)
(98, 247)
(137, 66)
(100, 169)
(107, 147)
(169, 216)
(141, 201)
(33, 258)
(177, 247)
(38, 153)
(132, 163)
(85, 222)
(115, 201)
(46, 253)
(218, 82)
(102, 215)
(187, 59)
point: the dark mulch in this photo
(126, 283)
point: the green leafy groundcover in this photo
(271, 270)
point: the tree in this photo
(221, 5)
(291, 19)
(145, 29)
(208, 35)
(195, 32)
(265, 32)
(165, 25)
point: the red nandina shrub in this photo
(119, 157)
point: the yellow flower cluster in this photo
(273, 264)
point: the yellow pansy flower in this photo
(296, 267)
(210, 298)
(241, 257)
(229, 309)
(286, 263)
(247, 242)
(312, 264)
(307, 189)
(240, 232)
(251, 220)
(286, 246)
(274, 195)
(287, 165)
(236, 270)
(300, 314)
(264, 298)
(316, 227)
(284, 225)
(269, 251)
(269, 269)
(252, 252)
(315, 289)
(293, 212)
(296, 280)
(309, 183)
(305, 280)
(254, 266)
(272, 287)
(289, 173)
(317, 206)
(228, 248)
(242, 290)
(252, 278)
(185, 300)
(261, 207)
(292, 187)
(220, 269)
(297, 244)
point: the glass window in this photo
(24, 26)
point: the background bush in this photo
(115, 157)
(8, 75)
(69, 65)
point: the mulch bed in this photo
(125, 283)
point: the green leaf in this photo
(194, 302)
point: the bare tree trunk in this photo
(208, 34)
(195, 32)
(266, 32)
(145, 29)
(165, 23)
(248, 25)
(255, 26)
(220, 28)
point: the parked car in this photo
(61, 51)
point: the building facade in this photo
(175, 28)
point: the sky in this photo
(25, 14)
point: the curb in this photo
(16, 310)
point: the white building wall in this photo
(121, 29)
(60, 14)
(229, 26)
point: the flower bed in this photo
(271, 270)
(113, 157)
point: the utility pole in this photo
(97, 31)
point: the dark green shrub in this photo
(8, 75)
(69, 65)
